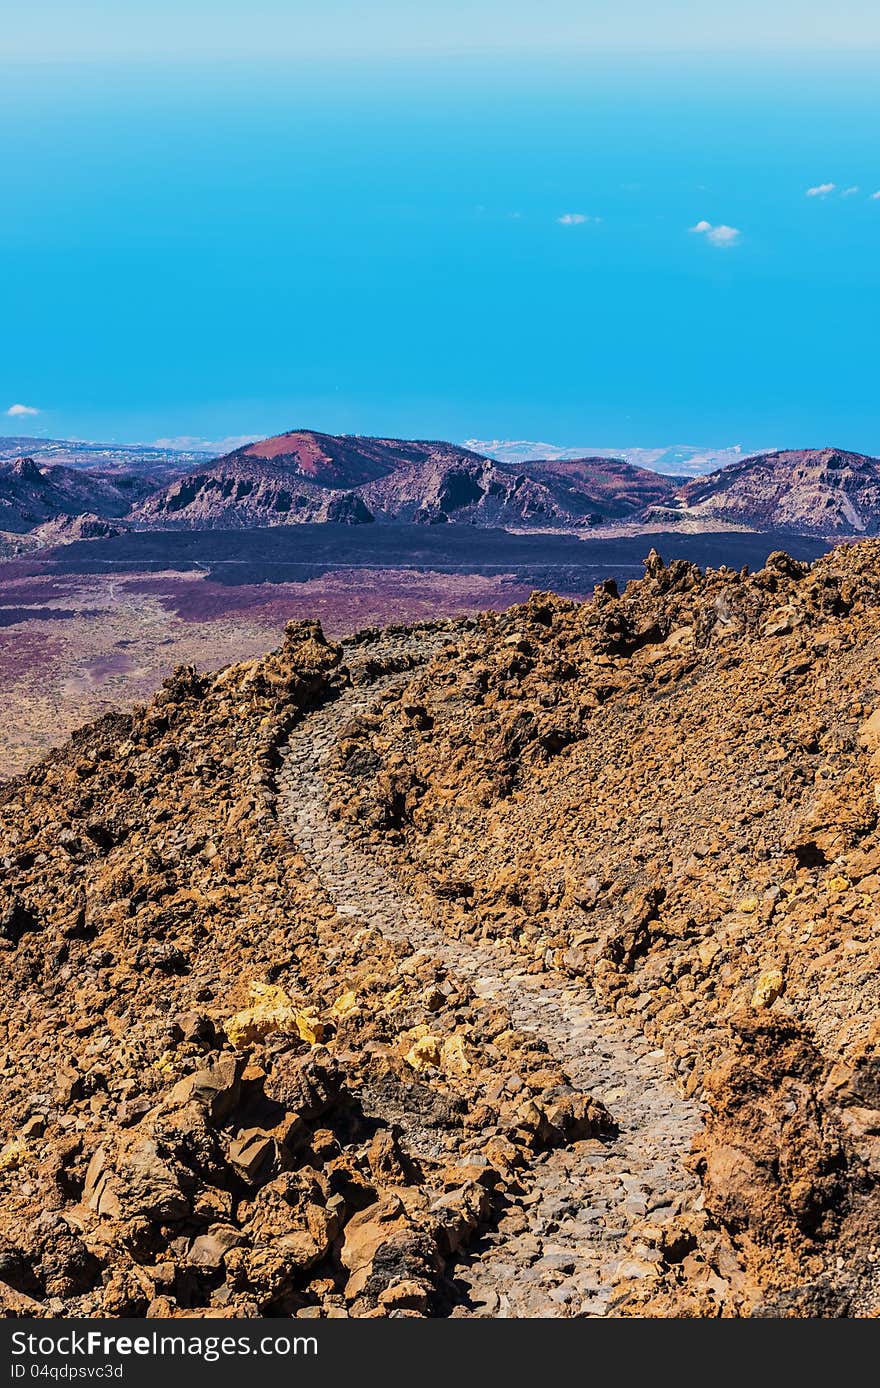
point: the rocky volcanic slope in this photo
(476, 491)
(305, 476)
(31, 495)
(219, 1097)
(813, 491)
(672, 796)
(306, 964)
(604, 488)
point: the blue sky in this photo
(461, 227)
(195, 29)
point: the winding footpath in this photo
(563, 1247)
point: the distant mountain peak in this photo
(344, 460)
(26, 469)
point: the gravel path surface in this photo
(560, 1250)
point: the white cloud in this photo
(15, 411)
(821, 190)
(723, 235)
(575, 219)
(850, 192)
(720, 235)
(875, 197)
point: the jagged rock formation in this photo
(63, 529)
(476, 491)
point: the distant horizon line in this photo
(431, 53)
(193, 444)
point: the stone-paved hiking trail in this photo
(563, 1247)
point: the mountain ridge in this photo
(307, 476)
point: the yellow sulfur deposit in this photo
(272, 1010)
(345, 1003)
(13, 1154)
(837, 885)
(768, 988)
(445, 1053)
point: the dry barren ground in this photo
(75, 646)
